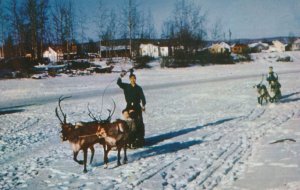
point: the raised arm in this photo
(120, 83)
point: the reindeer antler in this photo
(91, 115)
(57, 115)
(111, 113)
(61, 98)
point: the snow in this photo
(204, 130)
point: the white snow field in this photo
(204, 130)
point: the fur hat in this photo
(131, 74)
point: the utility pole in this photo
(130, 27)
(2, 35)
(230, 36)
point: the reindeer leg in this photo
(125, 154)
(75, 153)
(84, 160)
(119, 155)
(104, 153)
(93, 152)
(106, 156)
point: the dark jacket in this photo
(133, 95)
(272, 77)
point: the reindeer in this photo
(115, 135)
(82, 136)
(262, 93)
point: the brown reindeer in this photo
(116, 135)
(82, 136)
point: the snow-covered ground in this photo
(204, 130)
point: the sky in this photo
(244, 18)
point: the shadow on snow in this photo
(285, 100)
(10, 111)
(289, 95)
(169, 147)
(159, 138)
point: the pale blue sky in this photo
(245, 18)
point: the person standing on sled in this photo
(275, 86)
(272, 76)
(134, 96)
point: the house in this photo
(296, 45)
(164, 51)
(258, 47)
(276, 47)
(219, 48)
(53, 55)
(115, 51)
(239, 48)
(150, 50)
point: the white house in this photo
(277, 46)
(296, 45)
(164, 51)
(51, 54)
(149, 50)
(219, 48)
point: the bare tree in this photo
(16, 26)
(36, 12)
(3, 25)
(110, 32)
(81, 30)
(64, 22)
(130, 21)
(217, 30)
(187, 25)
(101, 22)
(146, 25)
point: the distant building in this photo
(149, 50)
(277, 47)
(239, 48)
(164, 51)
(53, 55)
(219, 48)
(296, 45)
(115, 51)
(258, 47)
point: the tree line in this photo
(28, 26)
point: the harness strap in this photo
(82, 136)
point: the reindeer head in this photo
(67, 128)
(101, 132)
(66, 131)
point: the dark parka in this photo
(133, 95)
(272, 77)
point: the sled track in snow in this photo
(212, 173)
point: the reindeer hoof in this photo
(84, 171)
(105, 166)
(125, 162)
(80, 162)
(119, 163)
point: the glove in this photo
(123, 73)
